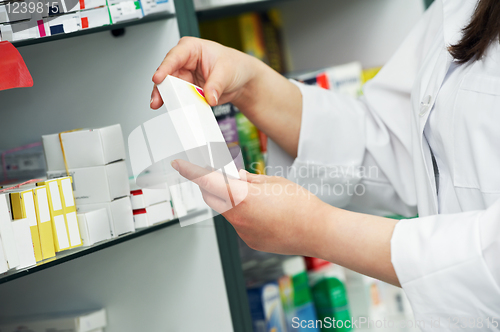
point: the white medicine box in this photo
(84, 148)
(98, 184)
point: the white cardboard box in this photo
(94, 226)
(24, 244)
(79, 322)
(18, 31)
(156, 6)
(98, 184)
(94, 18)
(86, 4)
(66, 23)
(7, 233)
(195, 125)
(4, 266)
(143, 198)
(141, 219)
(84, 148)
(119, 214)
(125, 11)
(159, 212)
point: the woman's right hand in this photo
(221, 71)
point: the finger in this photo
(250, 177)
(175, 59)
(255, 178)
(211, 181)
(219, 205)
(156, 100)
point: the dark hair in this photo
(483, 29)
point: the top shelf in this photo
(145, 19)
(212, 13)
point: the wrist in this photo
(251, 93)
(320, 227)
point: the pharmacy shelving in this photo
(68, 255)
(145, 19)
(236, 8)
(210, 250)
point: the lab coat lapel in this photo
(456, 15)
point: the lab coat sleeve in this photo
(449, 267)
(356, 153)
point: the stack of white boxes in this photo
(96, 161)
(151, 206)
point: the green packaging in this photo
(250, 145)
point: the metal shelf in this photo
(69, 255)
(145, 19)
(236, 9)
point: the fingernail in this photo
(214, 93)
(175, 165)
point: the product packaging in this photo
(303, 306)
(265, 308)
(86, 4)
(45, 231)
(7, 233)
(250, 145)
(120, 215)
(24, 244)
(226, 118)
(23, 207)
(196, 126)
(142, 198)
(4, 266)
(125, 11)
(330, 297)
(99, 183)
(84, 148)
(66, 23)
(18, 31)
(156, 6)
(94, 18)
(94, 226)
(62, 207)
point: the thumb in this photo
(216, 84)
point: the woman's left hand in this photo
(275, 215)
(269, 213)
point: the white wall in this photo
(323, 33)
(170, 280)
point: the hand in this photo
(221, 71)
(269, 213)
(275, 215)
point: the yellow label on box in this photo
(63, 211)
(44, 222)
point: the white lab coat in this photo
(448, 259)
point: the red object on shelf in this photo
(313, 263)
(13, 70)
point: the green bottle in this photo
(330, 298)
